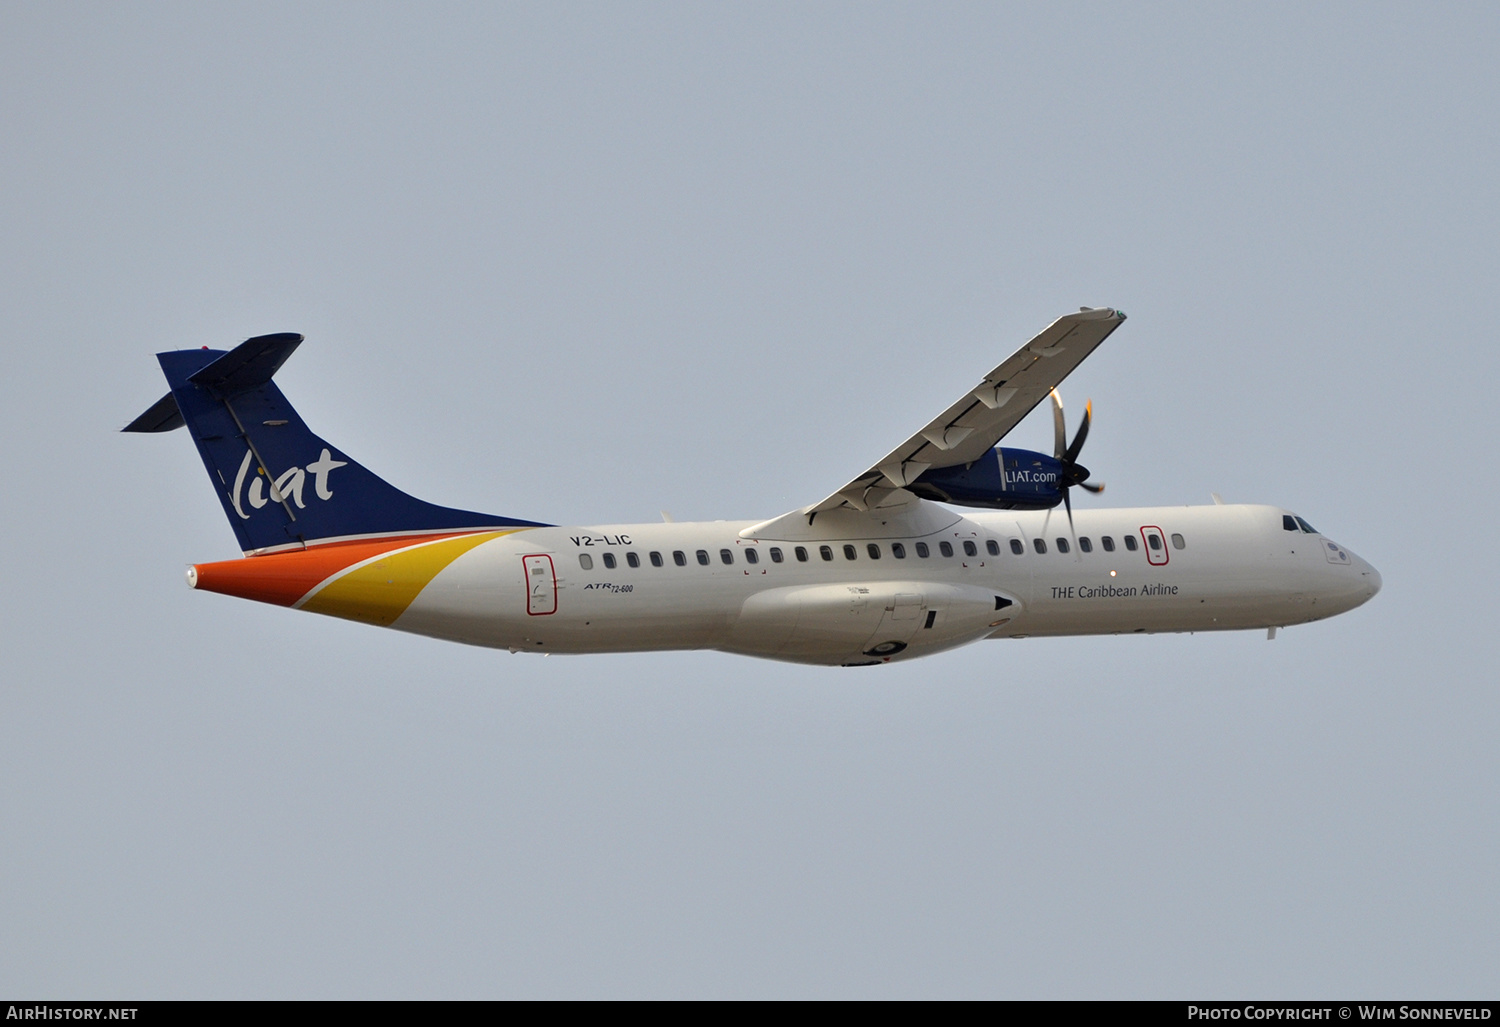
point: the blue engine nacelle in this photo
(1002, 479)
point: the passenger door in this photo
(1156, 545)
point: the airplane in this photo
(946, 540)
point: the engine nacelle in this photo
(1002, 479)
(866, 622)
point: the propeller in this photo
(1073, 473)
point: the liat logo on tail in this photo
(288, 485)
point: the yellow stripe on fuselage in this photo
(380, 591)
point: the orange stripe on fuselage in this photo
(284, 578)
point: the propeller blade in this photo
(1095, 489)
(1068, 504)
(1083, 433)
(1059, 427)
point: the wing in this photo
(984, 414)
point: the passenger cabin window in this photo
(655, 559)
(1289, 523)
(873, 550)
(751, 556)
(727, 555)
(1130, 543)
(775, 554)
(1039, 544)
(1154, 541)
(679, 557)
(1016, 547)
(826, 552)
(946, 548)
(1178, 542)
(992, 546)
(898, 550)
(586, 561)
(970, 549)
(1108, 542)
(702, 555)
(1084, 544)
(850, 553)
(1307, 527)
(609, 560)
(1062, 544)
(632, 559)
(801, 552)
(923, 551)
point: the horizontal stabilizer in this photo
(249, 365)
(163, 416)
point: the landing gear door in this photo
(908, 606)
(541, 585)
(902, 619)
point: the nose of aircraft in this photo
(1368, 582)
(1346, 585)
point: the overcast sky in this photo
(581, 264)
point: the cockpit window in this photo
(1288, 522)
(1307, 527)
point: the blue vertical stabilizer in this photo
(280, 485)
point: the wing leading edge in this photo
(983, 415)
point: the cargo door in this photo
(541, 585)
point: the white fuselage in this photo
(859, 598)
